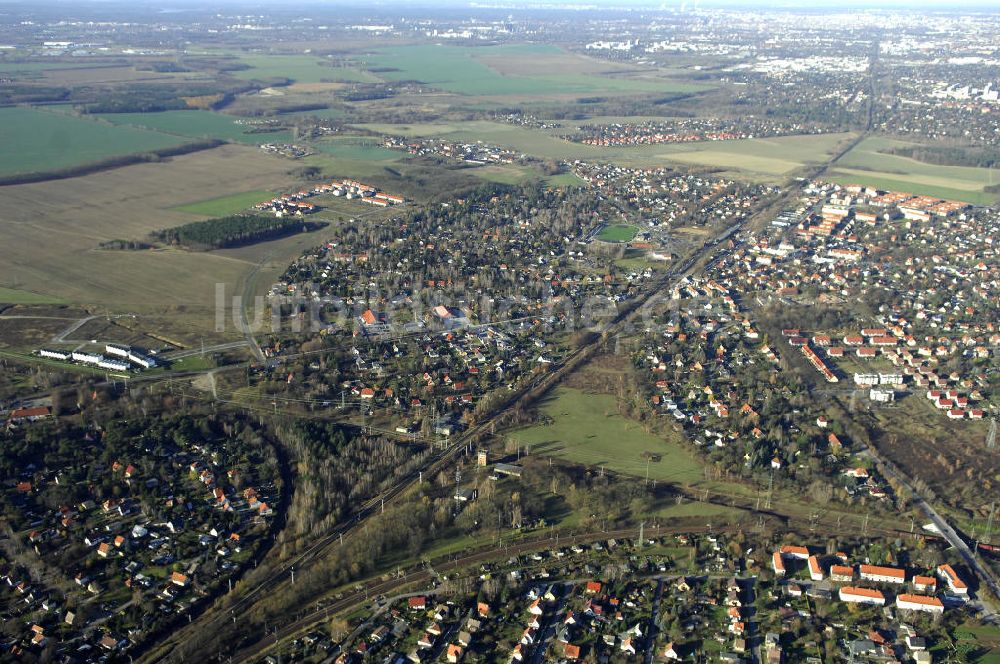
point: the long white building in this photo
(919, 603)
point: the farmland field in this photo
(35, 140)
(225, 205)
(110, 75)
(90, 71)
(328, 113)
(196, 124)
(467, 71)
(770, 156)
(587, 429)
(51, 247)
(369, 149)
(299, 68)
(15, 296)
(21, 69)
(866, 164)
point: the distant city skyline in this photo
(760, 5)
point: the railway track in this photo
(214, 618)
(416, 577)
(421, 575)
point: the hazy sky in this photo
(820, 5)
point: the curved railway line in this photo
(213, 618)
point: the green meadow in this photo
(32, 69)
(324, 113)
(867, 164)
(197, 124)
(35, 140)
(226, 205)
(587, 429)
(299, 68)
(459, 69)
(358, 149)
(15, 296)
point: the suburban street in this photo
(987, 582)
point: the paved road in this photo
(654, 621)
(180, 354)
(61, 337)
(751, 619)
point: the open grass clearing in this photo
(528, 59)
(732, 161)
(226, 205)
(36, 140)
(565, 180)
(326, 113)
(467, 71)
(355, 168)
(300, 69)
(15, 68)
(358, 149)
(771, 156)
(105, 75)
(316, 87)
(912, 184)
(867, 163)
(637, 261)
(16, 296)
(587, 429)
(690, 508)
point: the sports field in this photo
(299, 68)
(587, 429)
(867, 164)
(617, 233)
(197, 124)
(35, 140)
(512, 70)
(225, 205)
